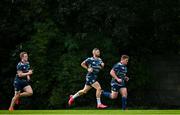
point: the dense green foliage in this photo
(60, 34)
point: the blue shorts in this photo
(90, 79)
(115, 86)
(19, 83)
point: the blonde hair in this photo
(22, 54)
(124, 57)
(95, 49)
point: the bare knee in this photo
(113, 96)
(99, 89)
(124, 94)
(30, 93)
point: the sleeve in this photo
(19, 67)
(126, 70)
(29, 67)
(100, 60)
(115, 67)
(87, 61)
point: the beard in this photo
(97, 55)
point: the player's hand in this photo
(90, 69)
(119, 80)
(127, 78)
(30, 72)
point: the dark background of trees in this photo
(60, 34)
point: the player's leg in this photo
(114, 92)
(17, 90)
(111, 95)
(16, 96)
(82, 92)
(123, 92)
(97, 86)
(27, 91)
(79, 93)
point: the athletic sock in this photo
(75, 95)
(98, 101)
(124, 103)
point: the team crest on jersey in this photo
(94, 62)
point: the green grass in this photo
(92, 112)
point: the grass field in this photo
(92, 112)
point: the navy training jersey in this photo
(120, 70)
(24, 67)
(95, 63)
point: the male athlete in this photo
(21, 80)
(93, 66)
(119, 78)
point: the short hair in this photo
(124, 57)
(22, 54)
(95, 49)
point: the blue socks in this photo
(106, 94)
(124, 103)
(124, 99)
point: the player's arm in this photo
(85, 66)
(21, 74)
(113, 74)
(28, 77)
(101, 63)
(126, 78)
